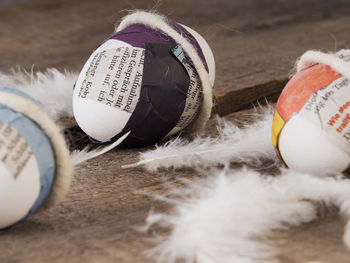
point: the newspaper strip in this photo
(114, 78)
(194, 93)
(329, 108)
(15, 153)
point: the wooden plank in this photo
(237, 100)
(97, 221)
(249, 50)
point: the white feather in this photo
(52, 88)
(80, 156)
(224, 218)
(249, 144)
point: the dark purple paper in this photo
(162, 100)
(137, 35)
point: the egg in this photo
(152, 78)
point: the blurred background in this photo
(254, 41)
(12, 2)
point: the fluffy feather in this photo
(225, 217)
(52, 88)
(80, 156)
(249, 144)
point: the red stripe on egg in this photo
(301, 87)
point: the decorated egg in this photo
(311, 126)
(34, 161)
(152, 78)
